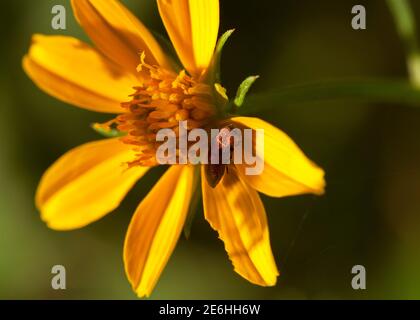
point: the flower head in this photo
(128, 74)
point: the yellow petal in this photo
(193, 26)
(156, 227)
(86, 183)
(235, 210)
(287, 171)
(118, 33)
(73, 72)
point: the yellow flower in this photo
(91, 181)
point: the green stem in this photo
(406, 27)
(195, 202)
(372, 91)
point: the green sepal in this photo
(214, 71)
(170, 51)
(107, 133)
(221, 98)
(243, 90)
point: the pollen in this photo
(163, 100)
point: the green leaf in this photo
(214, 71)
(372, 91)
(107, 132)
(243, 90)
(194, 204)
(406, 27)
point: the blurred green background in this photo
(371, 153)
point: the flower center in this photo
(161, 102)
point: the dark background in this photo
(369, 215)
